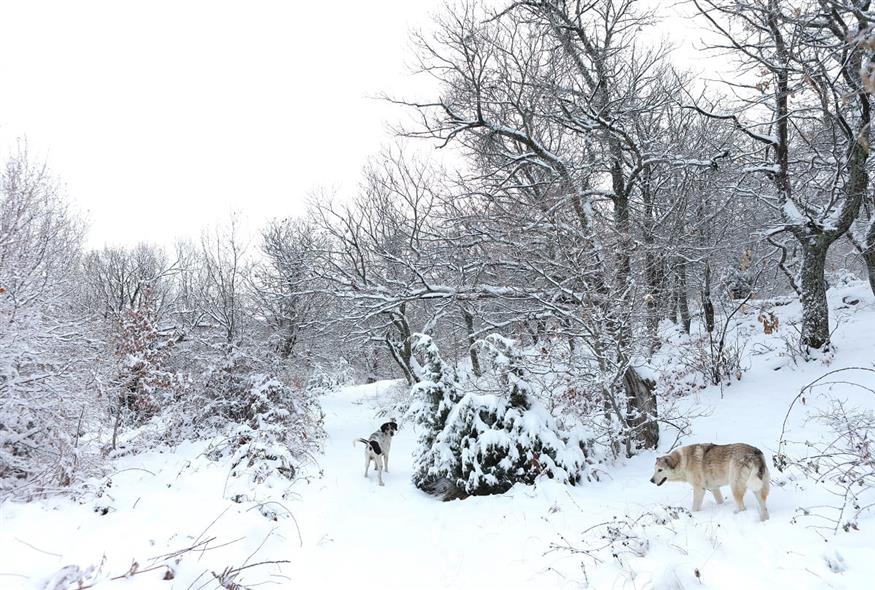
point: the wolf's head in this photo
(666, 469)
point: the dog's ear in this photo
(671, 460)
(386, 427)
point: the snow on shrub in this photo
(272, 428)
(144, 382)
(488, 442)
(433, 398)
(45, 352)
(638, 550)
(840, 458)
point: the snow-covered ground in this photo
(339, 530)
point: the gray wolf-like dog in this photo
(377, 448)
(709, 466)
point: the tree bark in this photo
(868, 252)
(707, 303)
(680, 286)
(641, 426)
(641, 410)
(472, 351)
(815, 310)
(865, 245)
(402, 349)
(653, 270)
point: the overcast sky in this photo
(161, 117)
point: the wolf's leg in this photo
(718, 496)
(761, 500)
(738, 495)
(698, 496)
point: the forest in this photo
(600, 237)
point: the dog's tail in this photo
(760, 462)
(372, 444)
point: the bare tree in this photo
(43, 346)
(282, 284)
(558, 101)
(223, 271)
(805, 113)
(379, 257)
(116, 278)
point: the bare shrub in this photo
(844, 460)
(622, 539)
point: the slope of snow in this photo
(340, 530)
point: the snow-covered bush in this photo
(269, 427)
(44, 352)
(740, 281)
(144, 382)
(843, 460)
(242, 390)
(433, 397)
(627, 541)
(488, 442)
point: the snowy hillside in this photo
(164, 520)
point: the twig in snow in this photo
(58, 555)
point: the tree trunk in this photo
(641, 426)
(815, 310)
(640, 411)
(289, 340)
(707, 303)
(868, 252)
(869, 257)
(654, 300)
(402, 349)
(402, 360)
(472, 350)
(653, 270)
(680, 286)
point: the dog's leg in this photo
(718, 496)
(761, 495)
(761, 500)
(379, 467)
(386, 461)
(698, 496)
(367, 462)
(738, 495)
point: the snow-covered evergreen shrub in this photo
(488, 442)
(270, 426)
(433, 399)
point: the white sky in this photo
(161, 117)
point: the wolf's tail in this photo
(762, 470)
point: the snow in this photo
(762, 168)
(792, 213)
(338, 529)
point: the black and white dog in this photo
(377, 448)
